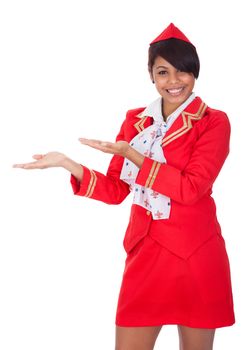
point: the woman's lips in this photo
(175, 91)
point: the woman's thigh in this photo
(134, 338)
(195, 338)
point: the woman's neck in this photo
(168, 109)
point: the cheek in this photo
(160, 80)
(160, 85)
(190, 82)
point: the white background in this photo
(70, 69)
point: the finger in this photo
(95, 143)
(32, 165)
(18, 165)
(98, 146)
(89, 141)
(38, 156)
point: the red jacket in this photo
(195, 148)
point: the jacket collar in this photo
(189, 116)
(193, 112)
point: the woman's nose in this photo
(173, 78)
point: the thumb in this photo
(38, 156)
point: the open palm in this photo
(118, 148)
(51, 159)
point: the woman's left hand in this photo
(120, 148)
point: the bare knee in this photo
(195, 338)
(134, 338)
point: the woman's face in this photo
(173, 85)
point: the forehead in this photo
(161, 62)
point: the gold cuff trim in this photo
(152, 175)
(92, 184)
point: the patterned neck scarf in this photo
(148, 142)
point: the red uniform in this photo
(177, 269)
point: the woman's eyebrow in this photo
(162, 67)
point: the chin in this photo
(175, 100)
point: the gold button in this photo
(148, 212)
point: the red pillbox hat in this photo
(171, 32)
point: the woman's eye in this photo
(162, 72)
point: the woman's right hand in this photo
(54, 159)
(43, 161)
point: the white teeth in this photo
(174, 91)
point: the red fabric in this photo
(159, 288)
(195, 148)
(171, 32)
(78, 187)
(194, 160)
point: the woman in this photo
(169, 154)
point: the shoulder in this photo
(134, 113)
(217, 116)
(214, 119)
(135, 119)
(132, 124)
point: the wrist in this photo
(74, 168)
(134, 156)
(64, 161)
(127, 151)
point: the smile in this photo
(175, 92)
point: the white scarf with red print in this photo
(148, 142)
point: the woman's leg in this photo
(135, 338)
(196, 338)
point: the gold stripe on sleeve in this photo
(151, 173)
(154, 175)
(93, 184)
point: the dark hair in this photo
(181, 54)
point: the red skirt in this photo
(160, 288)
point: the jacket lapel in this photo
(143, 122)
(186, 120)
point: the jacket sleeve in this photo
(187, 186)
(106, 188)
